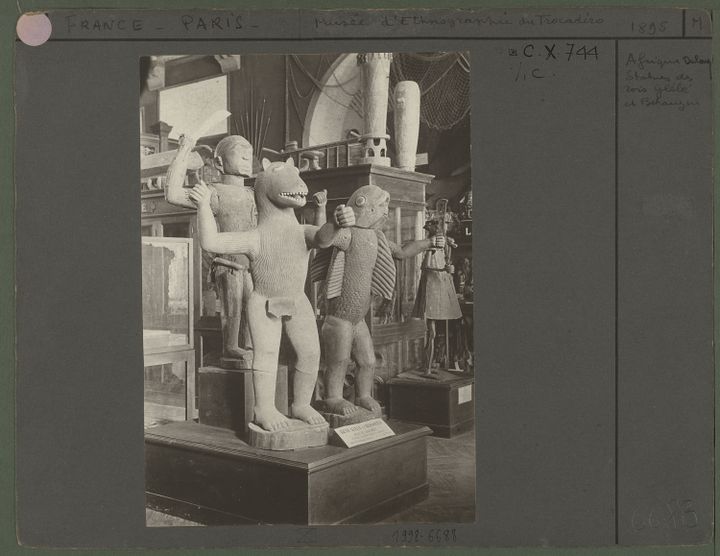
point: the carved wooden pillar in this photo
(375, 70)
(228, 62)
(407, 124)
(156, 75)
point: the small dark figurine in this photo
(436, 298)
(463, 277)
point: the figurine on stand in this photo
(436, 298)
(359, 266)
(232, 205)
(464, 340)
(463, 276)
(278, 249)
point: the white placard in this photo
(464, 394)
(362, 433)
(186, 107)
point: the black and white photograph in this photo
(297, 277)
(307, 288)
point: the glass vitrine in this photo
(167, 301)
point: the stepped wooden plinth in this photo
(208, 475)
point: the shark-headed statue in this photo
(278, 249)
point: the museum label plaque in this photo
(362, 433)
(465, 394)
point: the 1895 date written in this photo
(424, 536)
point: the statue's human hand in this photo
(320, 198)
(438, 241)
(451, 242)
(450, 268)
(344, 216)
(200, 194)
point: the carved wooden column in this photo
(228, 62)
(407, 124)
(156, 75)
(375, 71)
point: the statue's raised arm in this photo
(320, 199)
(328, 235)
(245, 242)
(175, 193)
(416, 246)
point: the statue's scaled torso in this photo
(282, 246)
(279, 266)
(360, 259)
(235, 211)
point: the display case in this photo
(169, 356)
(159, 218)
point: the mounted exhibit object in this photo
(375, 68)
(278, 249)
(360, 265)
(407, 124)
(436, 298)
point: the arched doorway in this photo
(336, 108)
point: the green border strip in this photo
(10, 10)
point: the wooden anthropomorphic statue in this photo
(436, 298)
(232, 204)
(359, 266)
(278, 250)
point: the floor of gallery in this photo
(451, 475)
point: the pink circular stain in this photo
(34, 29)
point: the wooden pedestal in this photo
(226, 397)
(446, 405)
(334, 420)
(208, 475)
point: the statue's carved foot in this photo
(368, 403)
(339, 406)
(307, 414)
(235, 352)
(271, 419)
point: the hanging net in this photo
(444, 81)
(443, 78)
